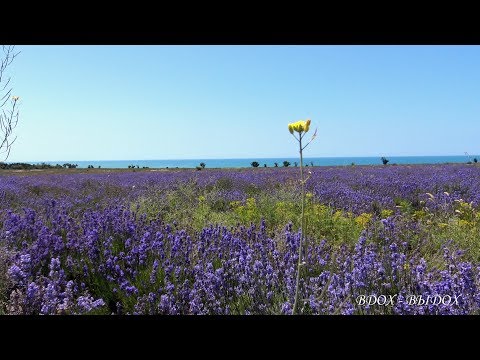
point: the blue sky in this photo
(172, 102)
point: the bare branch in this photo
(295, 137)
(5, 97)
(8, 118)
(313, 138)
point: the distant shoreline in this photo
(238, 163)
(206, 169)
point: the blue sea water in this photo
(270, 162)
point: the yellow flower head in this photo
(15, 98)
(299, 126)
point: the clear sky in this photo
(173, 102)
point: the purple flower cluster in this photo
(367, 188)
(115, 261)
(35, 293)
(357, 189)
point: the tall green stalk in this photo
(301, 127)
(300, 247)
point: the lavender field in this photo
(226, 241)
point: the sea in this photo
(269, 162)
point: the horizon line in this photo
(249, 158)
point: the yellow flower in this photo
(15, 98)
(299, 126)
(363, 219)
(307, 125)
(290, 128)
(386, 213)
(294, 126)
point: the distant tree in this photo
(198, 168)
(264, 165)
(475, 160)
(254, 164)
(286, 163)
(276, 164)
(384, 160)
(202, 164)
(295, 163)
(8, 118)
(353, 164)
(311, 163)
(99, 166)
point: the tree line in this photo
(25, 166)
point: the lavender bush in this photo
(84, 244)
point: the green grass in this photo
(194, 208)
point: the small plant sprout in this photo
(301, 127)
